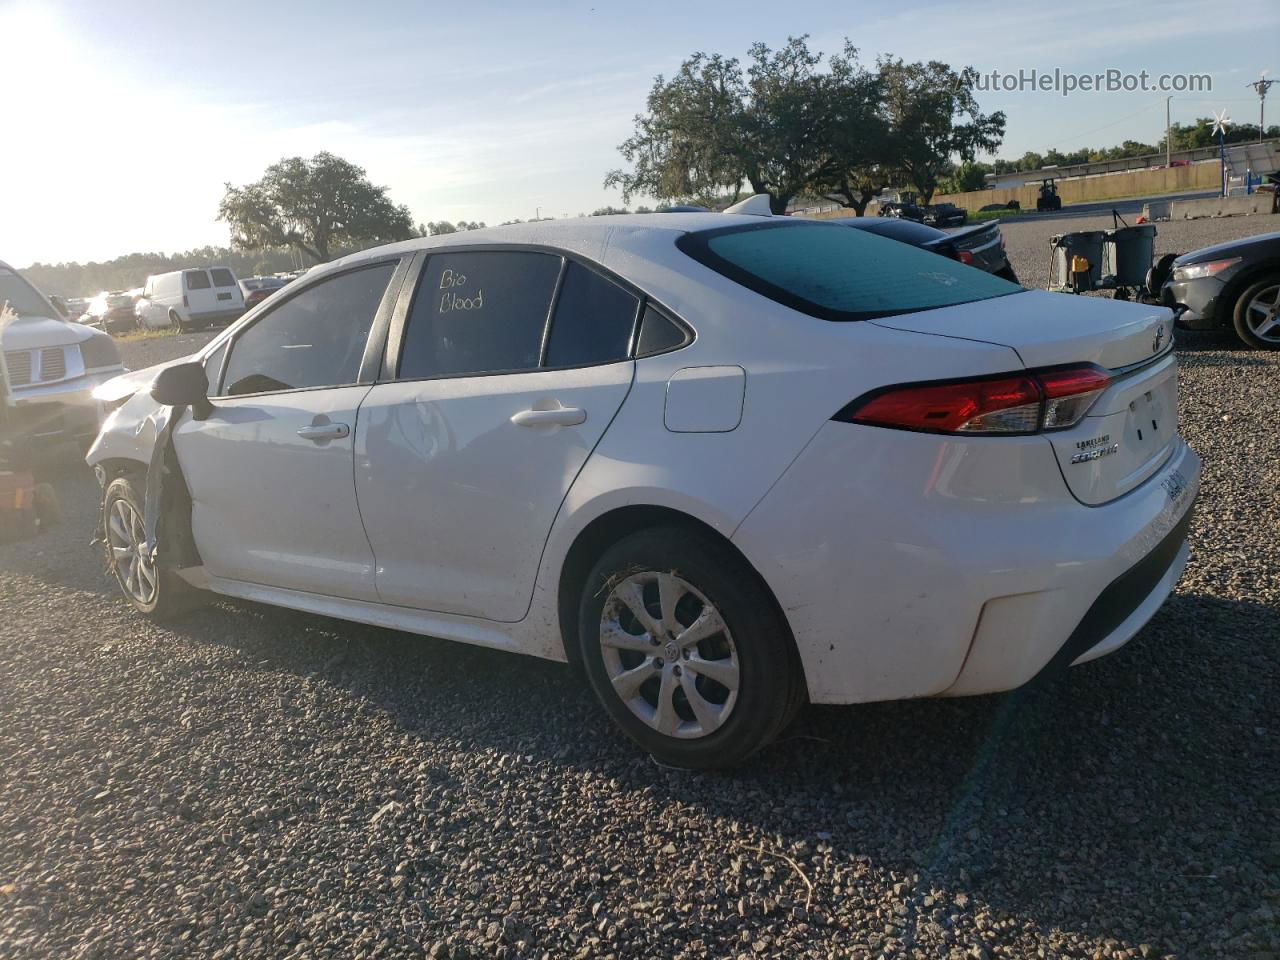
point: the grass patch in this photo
(980, 216)
(133, 336)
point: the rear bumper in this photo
(1001, 656)
(910, 565)
(216, 316)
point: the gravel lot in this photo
(257, 783)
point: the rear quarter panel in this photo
(799, 371)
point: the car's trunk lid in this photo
(1131, 428)
(1052, 328)
(1127, 436)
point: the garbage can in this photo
(1129, 252)
(1071, 251)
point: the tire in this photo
(746, 699)
(155, 591)
(175, 321)
(1256, 316)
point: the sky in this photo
(122, 121)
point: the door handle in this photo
(555, 417)
(324, 431)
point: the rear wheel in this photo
(686, 651)
(152, 589)
(1257, 315)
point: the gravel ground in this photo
(253, 782)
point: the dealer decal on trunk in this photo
(1095, 449)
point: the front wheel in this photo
(152, 589)
(175, 321)
(685, 650)
(1257, 315)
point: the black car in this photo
(980, 246)
(902, 211)
(1234, 284)
(945, 215)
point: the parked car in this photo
(257, 289)
(190, 299)
(724, 463)
(980, 246)
(904, 211)
(51, 367)
(76, 307)
(112, 311)
(945, 215)
(1234, 285)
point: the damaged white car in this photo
(726, 464)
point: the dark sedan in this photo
(945, 215)
(980, 246)
(257, 289)
(113, 312)
(1230, 285)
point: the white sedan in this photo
(725, 464)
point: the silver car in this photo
(51, 367)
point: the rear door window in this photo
(594, 320)
(196, 280)
(836, 273)
(222, 277)
(479, 312)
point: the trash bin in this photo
(1069, 250)
(1129, 252)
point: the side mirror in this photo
(183, 385)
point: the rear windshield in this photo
(835, 273)
(197, 280)
(222, 277)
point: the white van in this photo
(186, 299)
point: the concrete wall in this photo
(1109, 186)
(1260, 157)
(1222, 206)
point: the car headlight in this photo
(1210, 268)
(99, 352)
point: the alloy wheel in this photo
(669, 654)
(1262, 314)
(127, 538)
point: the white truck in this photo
(52, 366)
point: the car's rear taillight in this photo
(964, 256)
(184, 301)
(1049, 399)
(1069, 393)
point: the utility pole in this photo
(1261, 85)
(1168, 133)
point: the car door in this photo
(270, 470)
(506, 370)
